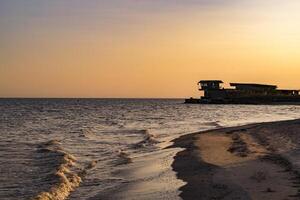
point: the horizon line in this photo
(92, 98)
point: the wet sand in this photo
(258, 161)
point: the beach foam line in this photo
(67, 179)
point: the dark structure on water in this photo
(244, 93)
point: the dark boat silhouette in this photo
(244, 93)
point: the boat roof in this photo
(210, 81)
(253, 85)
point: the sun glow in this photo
(143, 49)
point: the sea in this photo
(90, 149)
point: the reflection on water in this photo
(105, 148)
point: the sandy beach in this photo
(257, 161)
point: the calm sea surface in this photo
(105, 148)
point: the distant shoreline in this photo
(255, 161)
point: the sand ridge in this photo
(241, 164)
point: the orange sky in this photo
(142, 49)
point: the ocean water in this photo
(105, 148)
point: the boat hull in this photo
(259, 100)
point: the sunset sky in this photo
(145, 48)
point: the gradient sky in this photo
(145, 48)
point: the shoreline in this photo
(255, 161)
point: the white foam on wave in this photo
(124, 158)
(214, 124)
(149, 140)
(68, 174)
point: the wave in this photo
(214, 124)
(124, 158)
(148, 140)
(86, 133)
(67, 174)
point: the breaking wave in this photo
(86, 133)
(124, 158)
(214, 124)
(67, 174)
(148, 140)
